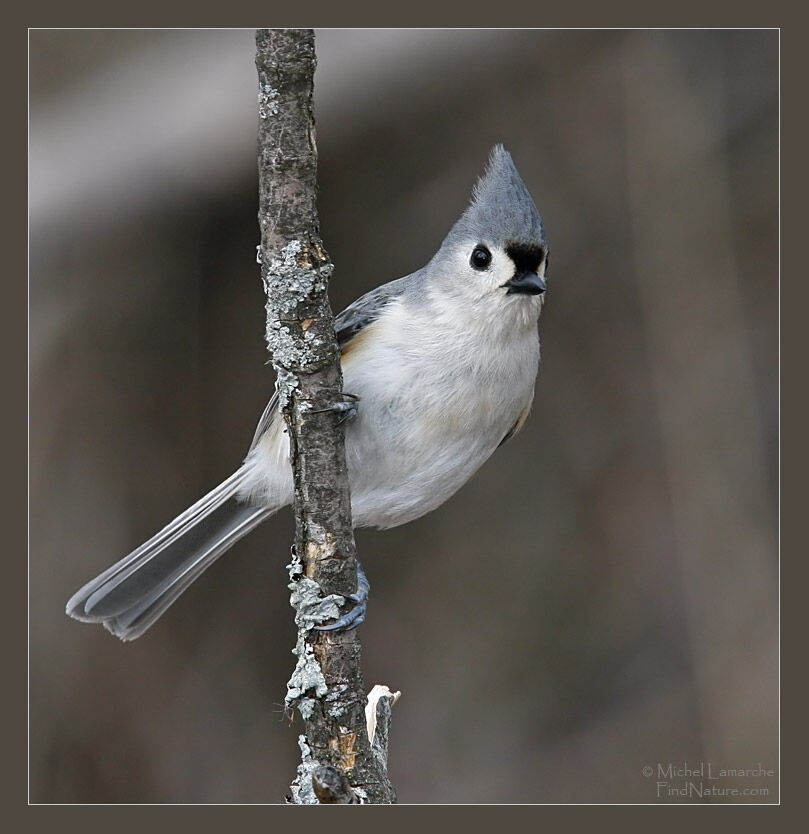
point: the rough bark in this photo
(327, 686)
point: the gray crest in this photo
(501, 208)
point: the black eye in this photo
(481, 257)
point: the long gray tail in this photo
(128, 597)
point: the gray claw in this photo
(349, 409)
(356, 615)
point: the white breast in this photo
(436, 399)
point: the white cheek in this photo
(500, 270)
(482, 282)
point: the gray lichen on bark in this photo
(302, 791)
(311, 607)
(288, 286)
(326, 686)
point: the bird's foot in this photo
(346, 407)
(356, 615)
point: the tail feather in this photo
(131, 595)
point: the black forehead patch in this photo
(527, 257)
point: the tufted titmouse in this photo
(442, 363)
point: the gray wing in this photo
(366, 309)
(353, 320)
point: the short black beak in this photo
(528, 283)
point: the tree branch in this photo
(327, 686)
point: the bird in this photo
(441, 367)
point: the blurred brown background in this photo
(603, 596)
